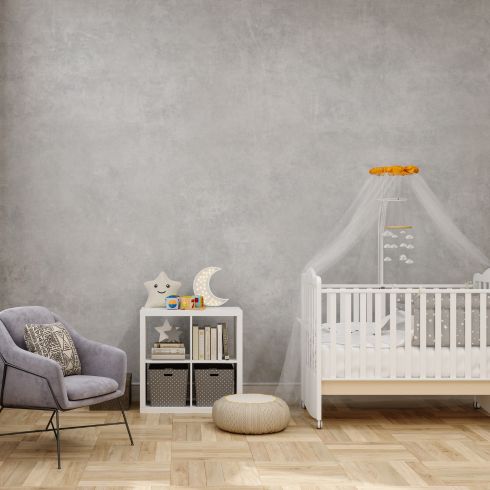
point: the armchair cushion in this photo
(54, 342)
(81, 387)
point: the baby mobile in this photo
(396, 237)
(402, 235)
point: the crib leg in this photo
(476, 403)
(319, 424)
(303, 406)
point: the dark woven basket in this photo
(114, 404)
(212, 383)
(167, 385)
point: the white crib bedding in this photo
(401, 358)
(355, 338)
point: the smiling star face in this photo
(159, 289)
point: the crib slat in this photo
(393, 314)
(378, 300)
(423, 333)
(438, 336)
(362, 328)
(355, 299)
(467, 335)
(483, 335)
(369, 299)
(342, 307)
(348, 326)
(332, 323)
(408, 335)
(324, 308)
(452, 333)
(332, 309)
(384, 297)
(342, 321)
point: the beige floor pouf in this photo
(251, 414)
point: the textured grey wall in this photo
(146, 135)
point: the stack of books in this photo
(168, 350)
(210, 343)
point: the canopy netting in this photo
(396, 232)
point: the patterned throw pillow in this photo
(53, 341)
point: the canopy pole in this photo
(381, 228)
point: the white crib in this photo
(394, 340)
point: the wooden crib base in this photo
(450, 387)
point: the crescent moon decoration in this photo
(202, 288)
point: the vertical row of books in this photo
(210, 343)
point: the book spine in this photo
(201, 344)
(195, 342)
(207, 344)
(167, 345)
(168, 351)
(220, 341)
(214, 344)
(157, 357)
(226, 354)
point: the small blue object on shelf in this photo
(172, 302)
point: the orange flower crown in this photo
(395, 170)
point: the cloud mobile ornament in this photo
(202, 288)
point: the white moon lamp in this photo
(202, 288)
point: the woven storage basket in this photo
(114, 404)
(167, 385)
(212, 383)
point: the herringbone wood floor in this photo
(427, 445)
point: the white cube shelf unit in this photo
(233, 313)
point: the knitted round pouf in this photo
(251, 414)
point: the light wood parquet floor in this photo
(432, 444)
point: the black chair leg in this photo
(58, 438)
(50, 420)
(126, 422)
(56, 429)
(50, 423)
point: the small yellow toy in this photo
(191, 303)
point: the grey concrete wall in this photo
(138, 136)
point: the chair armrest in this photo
(35, 364)
(99, 359)
(22, 364)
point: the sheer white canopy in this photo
(395, 232)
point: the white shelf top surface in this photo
(208, 311)
(187, 361)
(186, 409)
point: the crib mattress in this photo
(402, 357)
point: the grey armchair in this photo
(30, 381)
